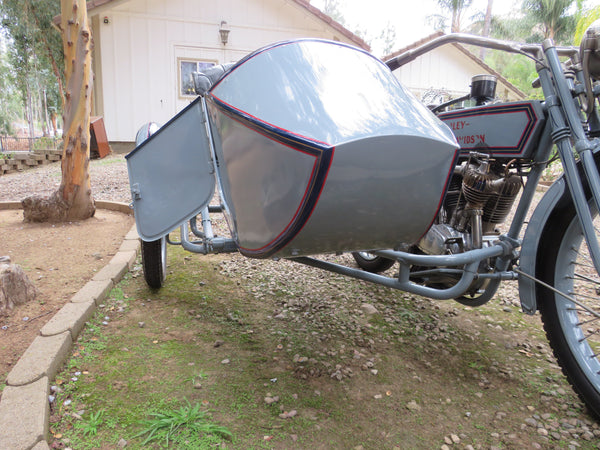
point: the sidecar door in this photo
(171, 174)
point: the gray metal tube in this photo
(542, 154)
(461, 259)
(438, 294)
(496, 44)
(582, 144)
(215, 245)
(560, 135)
(207, 224)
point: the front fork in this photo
(567, 126)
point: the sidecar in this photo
(314, 146)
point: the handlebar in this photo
(463, 38)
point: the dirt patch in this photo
(59, 259)
(285, 356)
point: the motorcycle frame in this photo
(564, 128)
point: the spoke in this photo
(583, 277)
(589, 266)
(562, 294)
(586, 311)
(592, 297)
(585, 322)
(585, 338)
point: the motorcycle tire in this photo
(572, 331)
(372, 263)
(154, 262)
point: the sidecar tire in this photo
(371, 263)
(154, 262)
(567, 325)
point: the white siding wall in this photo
(444, 68)
(143, 39)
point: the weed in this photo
(201, 375)
(187, 420)
(117, 294)
(476, 366)
(90, 426)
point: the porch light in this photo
(224, 32)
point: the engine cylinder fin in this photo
(499, 206)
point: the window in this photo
(186, 81)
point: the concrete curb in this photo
(24, 406)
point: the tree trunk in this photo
(455, 27)
(73, 200)
(50, 56)
(487, 23)
(29, 112)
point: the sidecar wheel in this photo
(573, 330)
(372, 263)
(154, 262)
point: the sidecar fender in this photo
(534, 237)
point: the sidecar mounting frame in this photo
(469, 260)
(469, 272)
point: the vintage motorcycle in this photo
(315, 147)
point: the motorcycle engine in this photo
(481, 192)
(480, 196)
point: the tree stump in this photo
(44, 209)
(15, 287)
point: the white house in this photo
(448, 70)
(145, 50)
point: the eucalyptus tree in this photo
(333, 9)
(73, 199)
(35, 53)
(457, 10)
(10, 104)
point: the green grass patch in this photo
(204, 367)
(186, 427)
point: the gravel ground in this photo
(110, 182)
(108, 175)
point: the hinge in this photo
(136, 194)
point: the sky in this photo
(407, 16)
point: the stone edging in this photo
(23, 160)
(24, 405)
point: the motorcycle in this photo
(315, 147)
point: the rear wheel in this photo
(372, 263)
(573, 324)
(154, 262)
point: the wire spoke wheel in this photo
(572, 321)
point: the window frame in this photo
(206, 63)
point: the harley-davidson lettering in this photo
(457, 125)
(471, 139)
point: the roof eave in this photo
(467, 52)
(357, 40)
